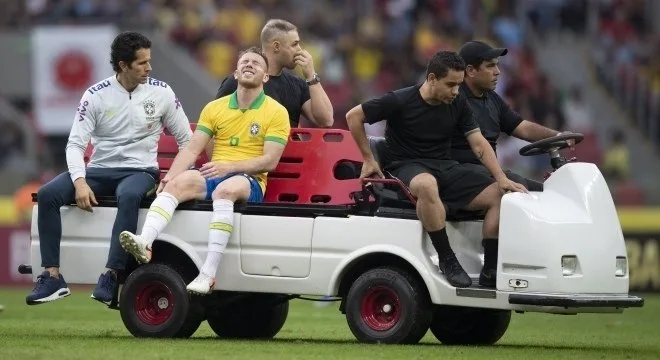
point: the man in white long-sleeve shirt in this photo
(123, 116)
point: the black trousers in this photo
(130, 186)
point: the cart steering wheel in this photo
(550, 145)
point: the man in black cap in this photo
(490, 111)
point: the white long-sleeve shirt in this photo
(124, 127)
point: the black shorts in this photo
(458, 185)
(531, 185)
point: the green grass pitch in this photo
(80, 328)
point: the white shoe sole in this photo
(100, 300)
(132, 247)
(196, 292)
(59, 294)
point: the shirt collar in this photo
(468, 93)
(115, 82)
(256, 103)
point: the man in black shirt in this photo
(281, 45)
(491, 112)
(420, 122)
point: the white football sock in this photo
(220, 230)
(159, 215)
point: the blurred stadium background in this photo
(590, 66)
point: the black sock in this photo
(440, 242)
(490, 253)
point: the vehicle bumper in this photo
(577, 301)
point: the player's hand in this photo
(505, 185)
(215, 169)
(306, 63)
(84, 195)
(570, 142)
(371, 169)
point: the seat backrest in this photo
(379, 149)
(314, 168)
(88, 153)
(307, 172)
(167, 150)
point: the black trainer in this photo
(47, 289)
(453, 271)
(488, 277)
(105, 288)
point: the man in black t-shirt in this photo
(281, 45)
(491, 112)
(420, 122)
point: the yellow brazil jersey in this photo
(240, 134)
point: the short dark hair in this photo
(125, 46)
(256, 50)
(442, 62)
(274, 28)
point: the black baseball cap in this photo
(474, 52)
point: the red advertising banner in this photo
(14, 250)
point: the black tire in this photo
(390, 306)
(260, 316)
(456, 325)
(196, 313)
(155, 303)
(193, 320)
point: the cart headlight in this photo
(569, 265)
(621, 266)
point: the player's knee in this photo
(494, 197)
(229, 193)
(129, 198)
(232, 190)
(173, 187)
(424, 186)
(182, 184)
(46, 195)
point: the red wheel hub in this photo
(380, 308)
(154, 303)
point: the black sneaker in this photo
(488, 277)
(454, 272)
(105, 288)
(47, 289)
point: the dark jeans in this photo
(130, 186)
(530, 184)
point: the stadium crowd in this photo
(365, 48)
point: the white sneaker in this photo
(203, 285)
(134, 245)
(1, 307)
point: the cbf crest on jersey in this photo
(254, 129)
(149, 107)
